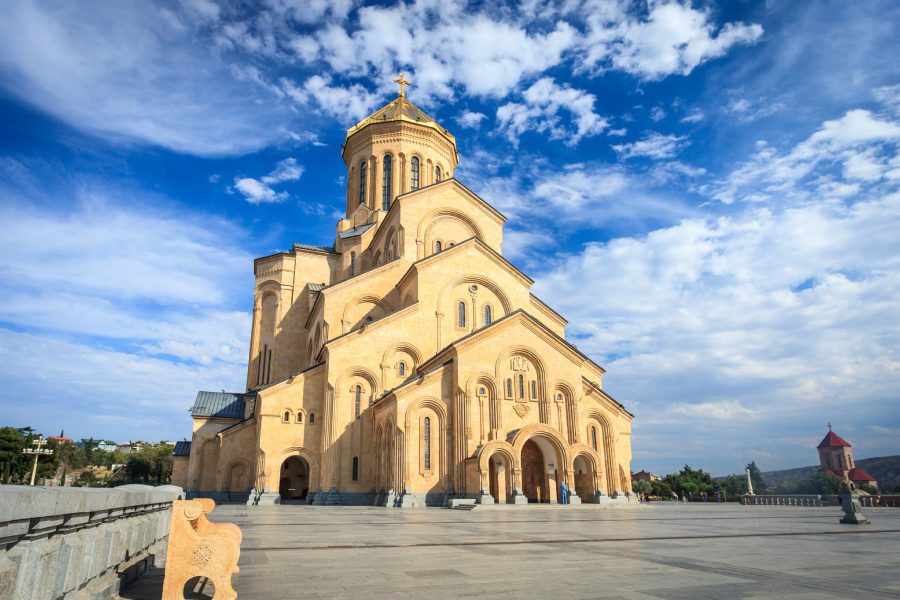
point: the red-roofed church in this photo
(836, 458)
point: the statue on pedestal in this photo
(852, 508)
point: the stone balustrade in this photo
(76, 543)
(782, 500)
(882, 500)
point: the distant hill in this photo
(885, 469)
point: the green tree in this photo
(13, 464)
(759, 484)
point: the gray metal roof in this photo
(228, 405)
(317, 287)
(182, 449)
(355, 231)
(317, 248)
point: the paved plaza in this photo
(654, 551)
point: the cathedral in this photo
(408, 364)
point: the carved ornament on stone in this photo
(521, 410)
(518, 363)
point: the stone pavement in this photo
(690, 551)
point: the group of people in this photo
(704, 497)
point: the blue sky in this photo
(709, 193)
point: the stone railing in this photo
(783, 500)
(880, 501)
(60, 542)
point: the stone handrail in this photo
(782, 500)
(198, 548)
(56, 542)
(880, 501)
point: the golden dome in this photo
(401, 109)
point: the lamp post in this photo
(38, 451)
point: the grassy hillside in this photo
(886, 469)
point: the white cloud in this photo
(131, 72)
(657, 114)
(674, 38)
(653, 145)
(540, 112)
(470, 119)
(346, 104)
(260, 191)
(695, 116)
(862, 143)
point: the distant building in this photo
(836, 458)
(59, 439)
(105, 445)
(645, 476)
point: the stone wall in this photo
(76, 543)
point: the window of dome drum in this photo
(487, 314)
(461, 314)
(386, 186)
(362, 183)
(437, 174)
(414, 168)
(299, 417)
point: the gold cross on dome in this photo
(401, 82)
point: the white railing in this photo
(782, 500)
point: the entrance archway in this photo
(584, 477)
(293, 479)
(534, 484)
(500, 478)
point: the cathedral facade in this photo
(409, 363)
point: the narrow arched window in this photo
(461, 314)
(437, 246)
(487, 314)
(357, 401)
(386, 185)
(286, 417)
(312, 418)
(521, 386)
(355, 473)
(414, 170)
(299, 417)
(508, 387)
(362, 183)
(594, 437)
(533, 389)
(437, 174)
(401, 368)
(427, 443)
(352, 264)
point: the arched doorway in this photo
(293, 480)
(499, 478)
(584, 477)
(534, 484)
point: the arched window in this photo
(521, 386)
(369, 320)
(401, 369)
(427, 443)
(356, 402)
(352, 264)
(437, 246)
(299, 417)
(286, 417)
(594, 437)
(355, 472)
(414, 169)
(437, 174)
(533, 389)
(312, 418)
(487, 314)
(508, 387)
(461, 314)
(362, 183)
(386, 186)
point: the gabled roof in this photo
(224, 405)
(857, 474)
(833, 440)
(182, 449)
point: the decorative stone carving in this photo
(518, 363)
(521, 409)
(198, 548)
